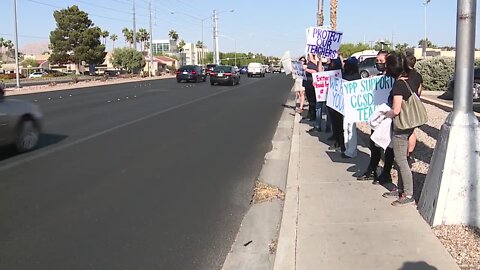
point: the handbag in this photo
(413, 114)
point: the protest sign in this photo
(335, 92)
(298, 70)
(321, 82)
(323, 42)
(362, 97)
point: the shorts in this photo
(298, 86)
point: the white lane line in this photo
(61, 147)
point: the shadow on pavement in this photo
(417, 266)
(46, 140)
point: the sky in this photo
(270, 27)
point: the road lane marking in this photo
(46, 152)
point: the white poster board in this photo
(321, 82)
(324, 42)
(335, 98)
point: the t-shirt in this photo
(400, 88)
(416, 80)
(311, 65)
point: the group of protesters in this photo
(408, 81)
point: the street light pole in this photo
(151, 39)
(215, 37)
(425, 24)
(17, 68)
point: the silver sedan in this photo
(20, 123)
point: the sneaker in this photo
(368, 176)
(334, 147)
(392, 194)
(382, 179)
(403, 200)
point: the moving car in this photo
(191, 73)
(36, 75)
(243, 70)
(367, 67)
(255, 69)
(210, 68)
(276, 69)
(224, 75)
(448, 95)
(20, 123)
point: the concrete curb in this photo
(442, 105)
(260, 226)
(286, 248)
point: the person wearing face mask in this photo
(376, 151)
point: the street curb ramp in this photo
(256, 241)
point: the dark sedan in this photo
(191, 73)
(224, 75)
(243, 70)
(448, 95)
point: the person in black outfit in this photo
(416, 80)
(376, 151)
(337, 118)
(311, 67)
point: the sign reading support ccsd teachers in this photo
(363, 96)
(324, 42)
(321, 82)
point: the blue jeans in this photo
(319, 112)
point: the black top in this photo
(416, 80)
(400, 89)
(352, 76)
(311, 65)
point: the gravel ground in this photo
(462, 242)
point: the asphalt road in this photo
(154, 175)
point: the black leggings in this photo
(337, 128)
(376, 155)
(312, 100)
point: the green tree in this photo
(429, 44)
(199, 44)
(143, 36)
(75, 39)
(173, 35)
(347, 49)
(401, 47)
(128, 58)
(105, 35)
(114, 38)
(181, 45)
(29, 62)
(128, 34)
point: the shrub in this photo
(10, 76)
(54, 75)
(436, 72)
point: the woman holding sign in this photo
(299, 89)
(397, 67)
(312, 66)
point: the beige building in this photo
(418, 52)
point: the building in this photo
(164, 46)
(418, 52)
(194, 55)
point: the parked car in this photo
(243, 70)
(367, 67)
(210, 68)
(448, 95)
(190, 73)
(20, 123)
(37, 75)
(255, 69)
(224, 75)
(276, 69)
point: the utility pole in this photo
(134, 28)
(451, 193)
(16, 44)
(215, 37)
(151, 40)
(425, 24)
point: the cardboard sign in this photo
(335, 98)
(297, 69)
(362, 97)
(321, 82)
(324, 42)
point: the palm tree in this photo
(1, 45)
(173, 35)
(128, 34)
(181, 44)
(9, 45)
(105, 35)
(199, 45)
(143, 36)
(113, 37)
(333, 14)
(320, 13)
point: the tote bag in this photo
(413, 114)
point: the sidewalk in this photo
(333, 221)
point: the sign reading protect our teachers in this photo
(363, 96)
(324, 42)
(321, 82)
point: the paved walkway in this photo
(333, 221)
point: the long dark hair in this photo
(396, 65)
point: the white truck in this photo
(255, 69)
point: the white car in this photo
(255, 69)
(36, 75)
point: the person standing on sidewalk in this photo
(416, 79)
(336, 117)
(311, 67)
(350, 73)
(376, 151)
(397, 67)
(299, 89)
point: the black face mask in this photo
(380, 66)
